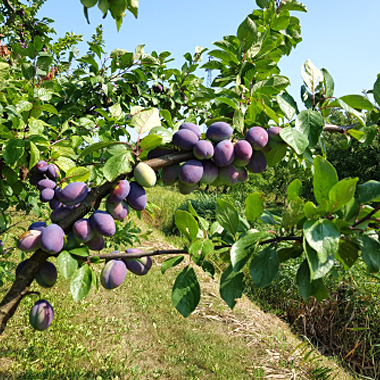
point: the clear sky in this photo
(339, 35)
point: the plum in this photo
(113, 274)
(54, 203)
(46, 184)
(137, 198)
(60, 213)
(41, 315)
(36, 177)
(138, 266)
(144, 175)
(103, 223)
(191, 172)
(243, 174)
(73, 194)
(39, 226)
(159, 152)
(96, 243)
(203, 150)
(257, 137)
(82, 230)
(169, 174)
(243, 153)
(210, 172)
(119, 211)
(52, 239)
(274, 133)
(191, 127)
(47, 275)
(29, 241)
(228, 175)
(185, 188)
(120, 191)
(20, 266)
(185, 139)
(219, 131)
(224, 153)
(53, 172)
(47, 195)
(42, 166)
(258, 162)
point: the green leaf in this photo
(276, 153)
(322, 236)
(311, 75)
(4, 70)
(287, 253)
(162, 132)
(369, 192)
(186, 292)
(294, 189)
(317, 268)
(208, 268)
(370, 249)
(231, 286)
(116, 165)
(358, 102)
(81, 174)
(263, 3)
(328, 83)
(245, 247)
(104, 6)
(287, 105)
(281, 21)
(227, 216)
(186, 224)
(307, 287)
(34, 155)
(67, 265)
(144, 119)
(294, 139)
(89, 3)
(376, 89)
(148, 143)
(254, 206)
(348, 253)
(247, 33)
(294, 213)
(342, 193)
(81, 282)
(82, 251)
(264, 267)
(325, 178)
(97, 146)
(291, 5)
(171, 262)
(238, 121)
(13, 150)
(310, 124)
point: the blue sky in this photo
(338, 35)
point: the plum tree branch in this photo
(338, 128)
(114, 256)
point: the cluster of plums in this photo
(218, 159)
(51, 238)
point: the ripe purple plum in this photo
(258, 162)
(96, 243)
(140, 266)
(29, 241)
(46, 184)
(73, 194)
(60, 213)
(52, 239)
(38, 226)
(20, 266)
(41, 315)
(224, 153)
(119, 211)
(185, 139)
(257, 137)
(144, 175)
(103, 223)
(191, 172)
(219, 131)
(82, 230)
(229, 175)
(169, 174)
(191, 127)
(243, 153)
(42, 166)
(243, 174)
(47, 275)
(47, 195)
(113, 274)
(120, 191)
(54, 203)
(203, 150)
(137, 198)
(274, 133)
(210, 172)
(53, 172)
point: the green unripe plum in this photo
(144, 175)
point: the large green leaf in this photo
(342, 193)
(247, 33)
(323, 236)
(287, 105)
(358, 102)
(186, 224)
(310, 124)
(329, 83)
(186, 292)
(264, 267)
(244, 248)
(317, 268)
(171, 262)
(227, 216)
(144, 119)
(369, 192)
(325, 178)
(370, 248)
(294, 139)
(231, 286)
(116, 165)
(67, 265)
(81, 281)
(254, 206)
(294, 189)
(97, 146)
(311, 75)
(294, 213)
(292, 5)
(348, 253)
(13, 150)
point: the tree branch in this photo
(338, 128)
